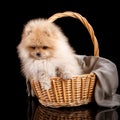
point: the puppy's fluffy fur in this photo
(44, 52)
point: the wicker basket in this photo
(76, 91)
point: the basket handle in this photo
(85, 23)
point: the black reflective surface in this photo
(36, 111)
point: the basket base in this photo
(58, 105)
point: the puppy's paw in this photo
(46, 85)
(66, 75)
(28, 93)
(32, 93)
(45, 82)
(29, 89)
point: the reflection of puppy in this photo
(44, 52)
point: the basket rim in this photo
(82, 75)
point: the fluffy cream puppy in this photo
(45, 52)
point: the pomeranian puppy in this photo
(45, 52)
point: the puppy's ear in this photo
(47, 32)
(26, 32)
(50, 31)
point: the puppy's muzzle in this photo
(38, 54)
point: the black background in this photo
(104, 18)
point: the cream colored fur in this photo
(45, 52)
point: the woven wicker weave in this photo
(76, 91)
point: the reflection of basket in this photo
(73, 92)
(44, 113)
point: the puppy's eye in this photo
(44, 47)
(33, 47)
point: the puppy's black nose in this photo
(38, 54)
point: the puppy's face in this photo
(40, 45)
(39, 42)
